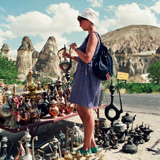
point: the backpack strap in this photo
(98, 36)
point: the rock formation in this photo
(5, 49)
(133, 48)
(48, 61)
(133, 39)
(158, 51)
(128, 43)
(35, 56)
(24, 58)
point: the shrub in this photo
(154, 72)
(8, 70)
(140, 87)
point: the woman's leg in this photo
(87, 118)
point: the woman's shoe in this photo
(84, 152)
(94, 149)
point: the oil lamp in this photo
(129, 147)
(127, 119)
(66, 65)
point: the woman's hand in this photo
(65, 54)
(73, 46)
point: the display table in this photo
(46, 120)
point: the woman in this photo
(86, 87)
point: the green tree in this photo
(8, 69)
(154, 72)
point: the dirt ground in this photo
(47, 132)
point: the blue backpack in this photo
(103, 63)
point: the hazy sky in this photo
(39, 19)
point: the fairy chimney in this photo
(48, 61)
(5, 49)
(24, 58)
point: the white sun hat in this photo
(89, 14)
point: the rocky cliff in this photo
(133, 39)
(133, 48)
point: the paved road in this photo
(147, 103)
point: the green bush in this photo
(11, 81)
(8, 70)
(154, 72)
(140, 87)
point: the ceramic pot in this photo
(70, 107)
(53, 109)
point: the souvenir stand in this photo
(46, 120)
(30, 104)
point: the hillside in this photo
(133, 39)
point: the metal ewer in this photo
(27, 139)
(4, 148)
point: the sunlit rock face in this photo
(24, 58)
(5, 49)
(133, 47)
(48, 61)
(35, 56)
(133, 39)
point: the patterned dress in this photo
(86, 87)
